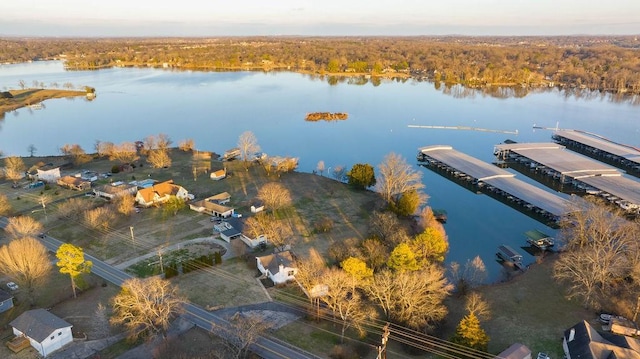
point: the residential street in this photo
(268, 348)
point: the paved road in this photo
(268, 348)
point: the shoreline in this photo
(12, 100)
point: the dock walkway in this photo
(568, 167)
(495, 180)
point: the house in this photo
(160, 193)
(256, 207)
(6, 301)
(214, 206)
(45, 331)
(74, 183)
(115, 189)
(582, 341)
(219, 174)
(279, 267)
(48, 173)
(232, 228)
(516, 351)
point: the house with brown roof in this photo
(219, 174)
(74, 183)
(45, 331)
(279, 267)
(515, 351)
(160, 193)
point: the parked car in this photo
(12, 286)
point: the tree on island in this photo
(71, 261)
(361, 176)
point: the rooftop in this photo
(464, 163)
(628, 152)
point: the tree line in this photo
(607, 64)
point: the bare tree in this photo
(470, 276)
(240, 332)
(187, 145)
(274, 195)
(411, 298)
(125, 152)
(124, 204)
(5, 206)
(339, 173)
(23, 226)
(386, 227)
(31, 149)
(248, 144)
(600, 252)
(396, 177)
(345, 301)
(75, 153)
(320, 167)
(73, 208)
(104, 148)
(146, 306)
(475, 304)
(14, 168)
(164, 142)
(100, 322)
(99, 218)
(159, 158)
(277, 231)
(26, 261)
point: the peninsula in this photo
(14, 99)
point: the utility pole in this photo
(160, 255)
(382, 349)
(133, 240)
(44, 208)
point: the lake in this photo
(214, 108)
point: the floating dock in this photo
(508, 255)
(495, 181)
(567, 167)
(622, 156)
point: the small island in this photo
(326, 116)
(14, 99)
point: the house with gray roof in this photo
(45, 331)
(582, 341)
(279, 267)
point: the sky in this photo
(107, 18)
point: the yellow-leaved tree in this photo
(71, 261)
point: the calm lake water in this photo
(214, 108)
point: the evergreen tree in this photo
(403, 259)
(361, 176)
(469, 333)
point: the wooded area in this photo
(609, 64)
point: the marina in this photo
(495, 181)
(591, 176)
(622, 156)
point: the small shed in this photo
(515, 351)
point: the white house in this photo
(232, 228)
(45, 331)
(49, 174)
(160, 193)
(257, 207)
(279, 267)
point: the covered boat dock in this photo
(567, 167)
(494, 180)
(620, 155)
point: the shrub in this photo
(218, 258)
(115, 169)
(170, 271)
(322, 225)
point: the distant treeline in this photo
(610, 64)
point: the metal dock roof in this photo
(557, 158)
(498, 177)
(529, 193)
(621, 187)
(600, 143)
(464, 163)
